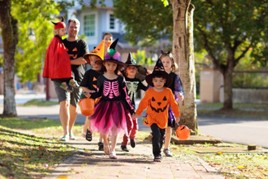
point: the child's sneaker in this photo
(132, 143)
(113, 155)
(157, 158)
(71, 136)
(100, 144)
(124, 148)
(167, 152)
(64, 138)
(88, 135)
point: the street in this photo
(243, 131)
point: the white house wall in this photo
(102, 17)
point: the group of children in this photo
(113, 84)
(116, 86)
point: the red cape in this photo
(57, 63)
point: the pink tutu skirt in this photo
(109, 118)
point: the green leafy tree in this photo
(17, 17)
(228, 30)
(36, 30)
(141, 58)
(139, 15)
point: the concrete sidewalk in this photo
(88, 162)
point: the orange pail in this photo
(87, 106)
(183, 132)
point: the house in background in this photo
(94, 22)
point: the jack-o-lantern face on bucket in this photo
(159, 103)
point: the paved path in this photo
(88, 162)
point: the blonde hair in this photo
(168, 54)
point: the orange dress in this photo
(157, 104)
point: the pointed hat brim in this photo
(98, 51)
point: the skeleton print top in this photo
(113, 90)
(133, 86)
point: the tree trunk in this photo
(228, 79)
(184, 57)
(9, 36)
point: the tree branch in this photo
(208, 48)
(242, 54)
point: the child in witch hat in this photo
(57, 64)
(133, 86)
(89, 82)
(110, 116)
(157, 100)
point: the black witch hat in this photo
(158, 71)
(131, 61)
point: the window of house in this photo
(112, 22)
(89, 25)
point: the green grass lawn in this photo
(25, 155)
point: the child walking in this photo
(157, 100)
(133, 86)
(57, 64)
(176, 86)
(107, 38)
(89, 82)
(110, 116)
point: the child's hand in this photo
(178, 120)
(91, 91)
(87, 94)
(180, 97)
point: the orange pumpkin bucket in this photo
(87, 106)
(182, 132)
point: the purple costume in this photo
(175, 86)
(113, 108)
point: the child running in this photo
(176, 86)
(57, 64)
(89, 82)
(157, 100)
(133, 86)
(110, 116)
